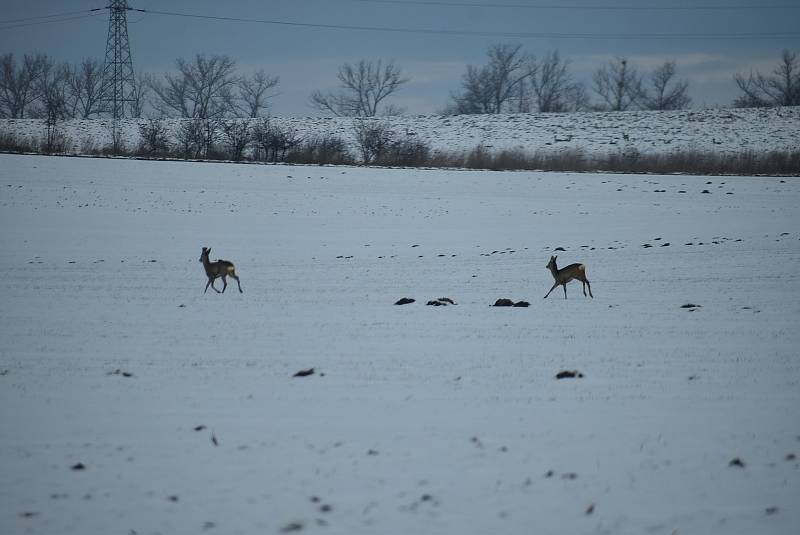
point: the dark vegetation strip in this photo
(373, 150)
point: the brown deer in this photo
(564, 275)
(220, 268)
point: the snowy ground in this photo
(419, 419)
(719, 131)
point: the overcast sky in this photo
(306, 57)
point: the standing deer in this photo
(564, 275)
(220, 268)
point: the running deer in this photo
(220, 268)
(564, 275)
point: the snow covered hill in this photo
(134, 403)
(717, 131)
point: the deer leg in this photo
(590, 289)
(565, 290)
(551, 289)
(207, 284)
(224, 283)
(237, 282)
(211, 281)
(584, 288)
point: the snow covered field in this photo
(132, 403)
(718, 131)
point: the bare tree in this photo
(18, 84)
(619, 85)
(493, 87)
(666, 93)
(202, 88)
(85, 83)
(365, 86)
(51, 103)
(141, 94)
(780, 89)
(172, 96)
(51, 91)
(476, 95)
(237, 135)
(254, 93)
(552, 85)
(577, 98)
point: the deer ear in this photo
(555, 257)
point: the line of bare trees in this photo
(210, 88)
(512, 81)
(205, 87)
(38, 87)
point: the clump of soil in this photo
(510, 303)
(441, 302)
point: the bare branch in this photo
(666, 93)
(780, 89)
(619, 85)
(254, 93)
(365, 86)
(85, 86)
(552, 85)
(494, 87)
(18, 84)
(201, 89)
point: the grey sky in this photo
(306, 58)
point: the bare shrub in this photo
(11, 142)
(55, 140)
(271, 141)
(373, 139)
(237, 136)
(89, 145)
(479, 158)
(189, 137)
(153, 138)
(321, 150)
(406, 152)
(118, 145)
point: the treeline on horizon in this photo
(261, 140)
(511, 81)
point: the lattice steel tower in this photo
(119, 85)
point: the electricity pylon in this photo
(119, 85)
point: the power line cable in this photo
(428, 31)
(601, 7)
(484, 33)
(48, 16)
(65, 19)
